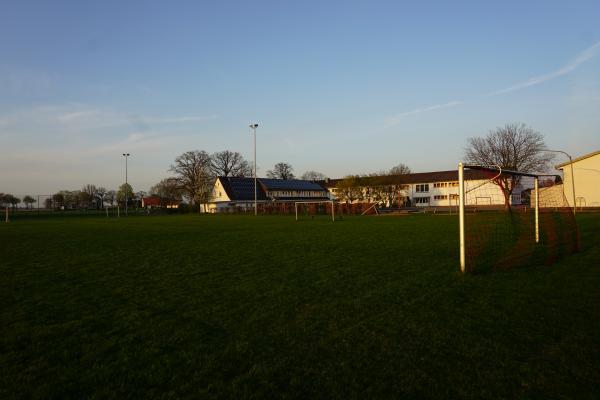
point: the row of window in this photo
(445, 184)
(299, 193)
(426, 200)
(422, 188)
(445, 197)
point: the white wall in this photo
(486, 193)
(218, 192)
(587, 182)
(479, 193)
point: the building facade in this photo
(237, 193)
(425, 189)
(587, 180)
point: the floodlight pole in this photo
(537, 208)
(461, 215)
(572, 176)
(126, 155)
(254, 126)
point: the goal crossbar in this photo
(316, 202)
(497, 171)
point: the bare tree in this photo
(515, 147)
(313, 176)
(13, 200)
(192, 170)
(110, 197)
(9, 199)
(167, 190)
(350, 188)
(101, 196)
(281, 171)
(58, 199)
(28, 200)
(400, 169)
(88, 195)
(229, 163)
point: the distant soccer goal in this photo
(509, 219)
(312, 208)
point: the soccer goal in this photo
(509, 219)
(312, 208)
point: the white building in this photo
(238, 193)
(587, 180)
(424, 189)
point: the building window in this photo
(441, 197)
(421, 200)
(422, 188)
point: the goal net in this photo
(510, 219)
(310, 209)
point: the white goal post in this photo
(317, 202)
(495, 172)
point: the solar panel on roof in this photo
(282, 184)
(243, 189)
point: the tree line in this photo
(350, 188)
(194, 174)
(89, 197)
(7, 199)
(514, 146)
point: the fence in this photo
(311, 209)
(19, 206)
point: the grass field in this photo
(240, 307)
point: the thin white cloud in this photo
(571, 66)
(395, 120)
(72, 116)
(175, 120)
(78, 119)
(76, 153)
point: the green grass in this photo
(243, 307)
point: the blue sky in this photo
(338, 87)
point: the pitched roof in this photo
(289, 184)
(592, 154)
(419, 177)
(241, 188)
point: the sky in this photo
(340, 87)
